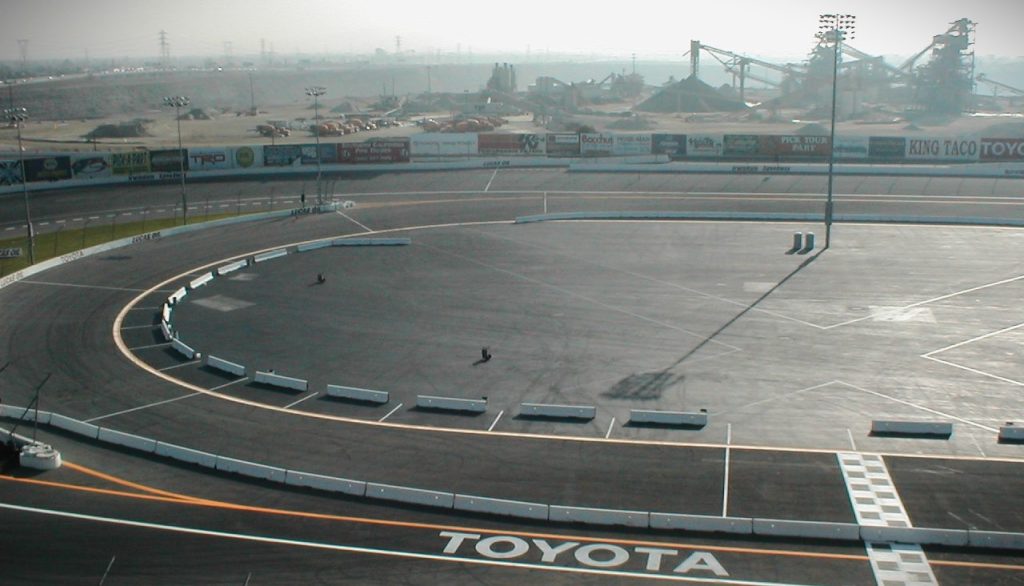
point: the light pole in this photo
(835, 28)
(17, 117)
(179, 102)
(316, 92)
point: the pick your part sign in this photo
(604, 556)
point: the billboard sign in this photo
(91, 166)
(374, 152)
(247, 157)
(133, 163)
(437, 144)
(48, 169)
(563, 144)
(1002, 149)
(206, 159)
(851, 147)
(887, 147)
(792, 145)
(741, 145)
(942, 149)
(704, 145)
(168, 161)
(10, 173)
(510, 144)
(596, 144)
(631, 144)
(673, 145)
(282, 155)
(328, 154)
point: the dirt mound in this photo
(690, 95)
(134, 129)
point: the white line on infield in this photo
(495, 422)
(397, 407)
(306, 398)
(140, 408)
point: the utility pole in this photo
(316, 92)
(17, 117)
(834, 27)
(23, 51)
(179, 102)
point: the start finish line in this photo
(605, 556)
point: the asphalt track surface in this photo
(792, 357)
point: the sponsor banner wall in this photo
(673, 145)
(596, 144)
(563, 144)
(705, 145)
(437, 144)
(741, 145)
(131, 163)
(887, 147)
(395, 151)
(247, 157)
(168, 160)
(328, 153)
(942, 149)
(792, 145)
(48, 168)
(283, 155)
(1002, 149)
(92, 166)
(510, 144)
(631, 144)
(851, 147)
(10, 173)
(205, 159)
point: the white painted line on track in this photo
(488, 186)
(399, 406)
(853, 444)
(608, 433)
(26, 281)
(143, 308)
(140, 408)
(148, 346)
(107, 571)
(383, 552)
(921, 407)
(353, 220)
(725, 484)
(975, 339)
(495, 422)
(306, 398)
(151, 327)
(173, 366)
(234, 382)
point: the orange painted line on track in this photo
(977, 565)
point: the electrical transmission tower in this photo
(165, 50)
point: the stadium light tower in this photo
(834, 28)
(316, 92)
(17, 117)
(179, 102)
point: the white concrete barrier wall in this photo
(277, 380)
(232, 267)
(200, 281)
(807, 529)
(569, 411)
(182, 454)
(25, 414)
(668, 417)
(74, 426)
(177, 296)
(313, 245)
(358, 394)
(371, 242)
(165, 313)
(269, 255)
(127, 440)
(519, 509)
(325, 483)
(250, 469)
(414, 496)
(1013, 433)
(225, 365)
(936, 428)
(451, 403)
(183, 348)
(917, 535)
(165, 329)
(598, 516)
(995, 539)
(702, 523)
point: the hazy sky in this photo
(652, 29)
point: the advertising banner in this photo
(673, 145)
(563, 144)
(510, 144)
(168, 160)
(851, 147)
(247, 157)
(10, 173)
(374, 152)
(596, 144)
(1002, 149)
(132, 163)
(48, 169)
(437, 144)
(887, 147)
(205, 159)
(91, 166)
(741, 145)
(282, 155)
(788, 146)
(943, 149)
(631, 144)
(704, 145)
(328, 154)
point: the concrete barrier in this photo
(912, 428)
(74, 426)
(188, 455)
(165, 313)
(200, 281)
(39, 457)
(807, 529)
(371, 242)
(225, 366)
(250, 469)
(232, 267)
(598, 516)
(313, 245)
(451, 404)
(917, 535)
(269, 255)
(680, 418)
(557, 411)
(165, 329)
(702, 523)
(183, 348)
(127, 440)
(357, 394)
(519, 509)
(1011, 433)
(25, 414)
(995, 539)
(413, 496)
(276, 380)
(325, 483)
(177, 296)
